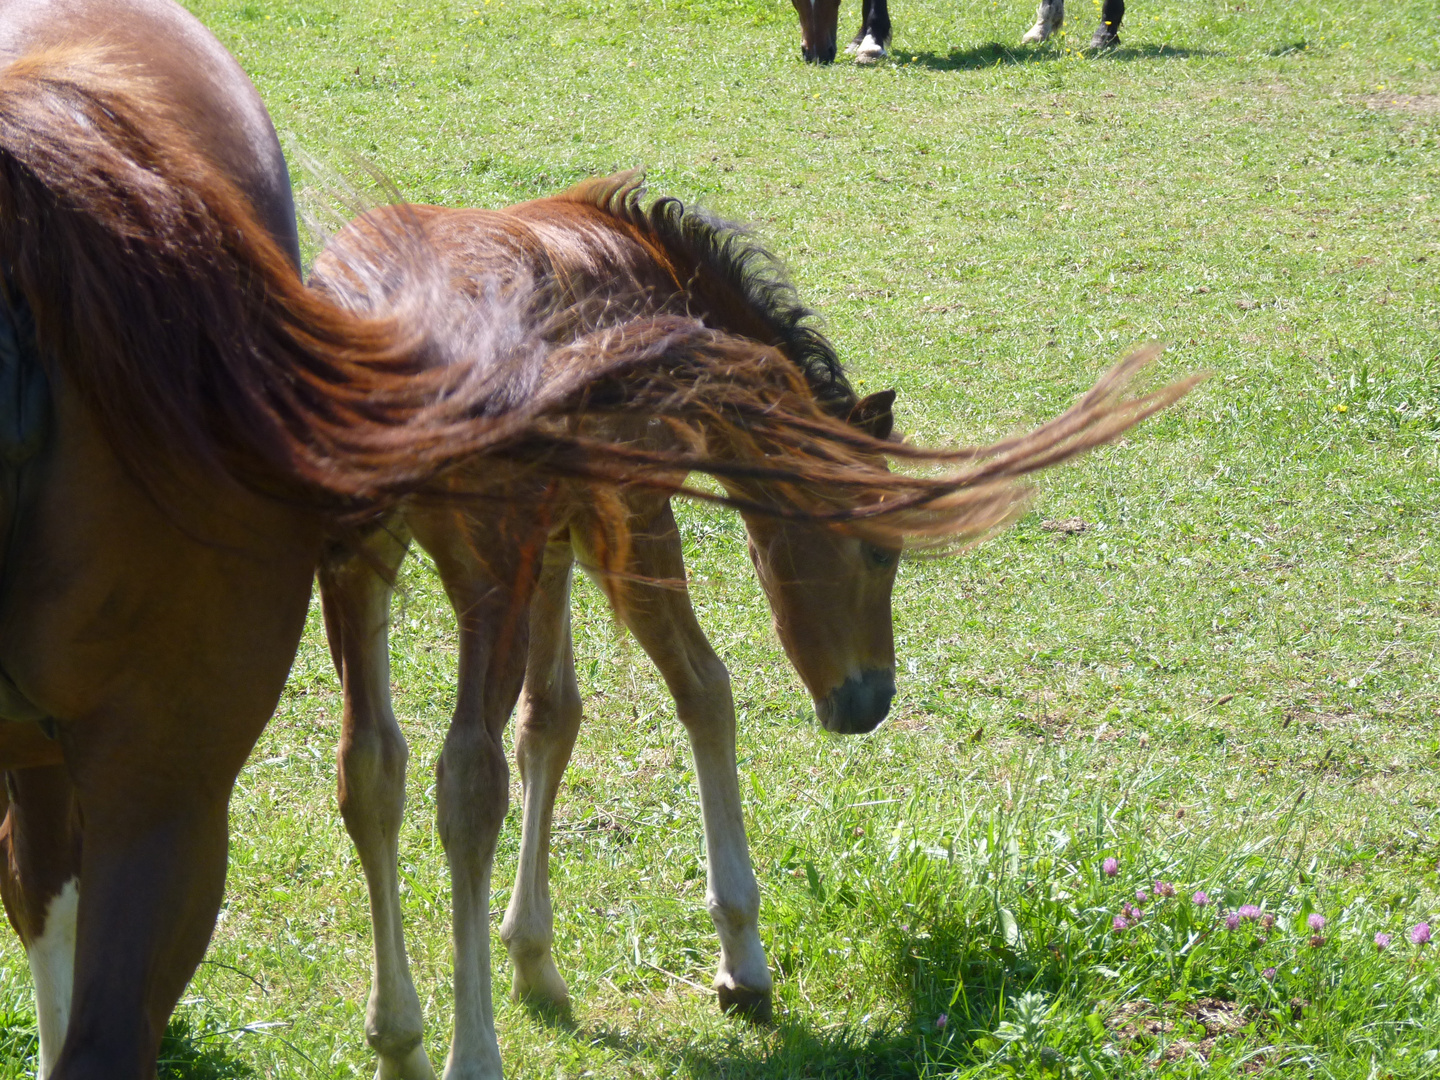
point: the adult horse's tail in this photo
(163, 301)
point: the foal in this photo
(508, 577)
(507, 573)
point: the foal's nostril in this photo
(859, 703)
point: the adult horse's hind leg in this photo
(653, 602)
(548, 722)
(1049, 17)
(1107, 34)
(372, 761)
(39, 879)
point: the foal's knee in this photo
(548, 716)
(472, 786)
(706, 689)
(372, 776)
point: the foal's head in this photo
(830, 595)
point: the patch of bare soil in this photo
(1415, 104)
(1068, 526)
(1137, 1025)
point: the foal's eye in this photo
(878, 557)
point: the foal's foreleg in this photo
(372, 762)
(663, 621)
(544, 738)
(489, 574)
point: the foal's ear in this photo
(872, 414)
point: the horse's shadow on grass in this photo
(951, 967)
(995, 54)
(795, 1050)
(185, 1054)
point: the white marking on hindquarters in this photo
(52, 966)
(869, 50)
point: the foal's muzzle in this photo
(859, 703)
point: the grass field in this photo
(1227, 680)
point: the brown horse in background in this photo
(507, 572)
(211, 425)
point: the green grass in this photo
(1228, 680)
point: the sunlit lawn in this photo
(1226, 680)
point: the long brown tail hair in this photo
(171, 310)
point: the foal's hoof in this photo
(747, 1004)
(1035, 35)
(542, 988)
(409, 1065)
(1105, 38)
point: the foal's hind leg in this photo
(544, 738)
(1049, 17)
(372, 763)
(655, 605)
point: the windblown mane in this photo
(722, 262)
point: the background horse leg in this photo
(663, 621)
(39, 879)
(806, 10)
(1107, 34)
(819, 27)
(873, 37)
(544, 738)
(489, 577)
(1049, 17)
(372, 761)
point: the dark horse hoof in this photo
(751, 1005)
(1105, 38)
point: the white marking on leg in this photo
(732, 895)
(869, 50)
(52, 966)
(1049, 17)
